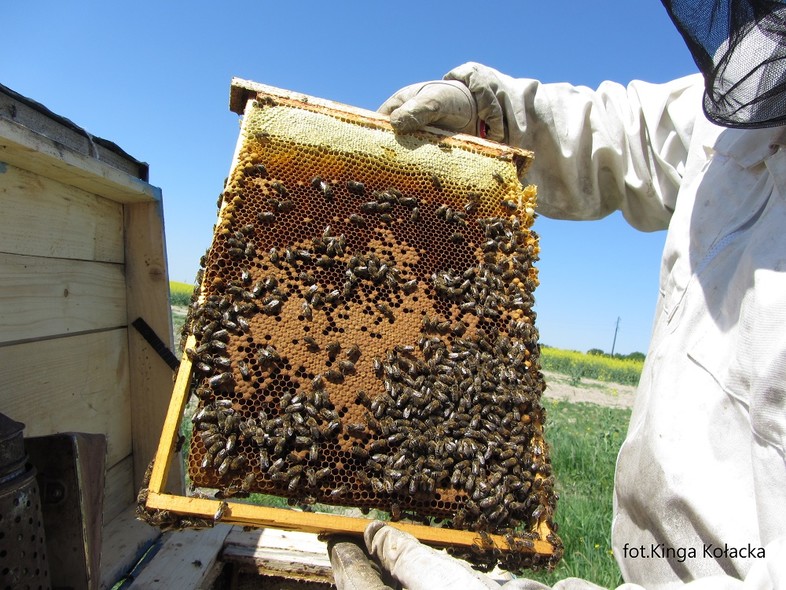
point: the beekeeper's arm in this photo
(393, 559)
(596, 151)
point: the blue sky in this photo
(154, 78)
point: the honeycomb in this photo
(364, 327)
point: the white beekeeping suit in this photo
(700, 490)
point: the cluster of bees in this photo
(365, 338)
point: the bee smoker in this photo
(23, 561)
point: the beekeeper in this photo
(700, 489)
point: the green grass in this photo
(180, 293)
(179, 297)
(584, 441)
(578, 365)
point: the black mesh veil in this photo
(740, 47)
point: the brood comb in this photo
(363, 334)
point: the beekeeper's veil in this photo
(740, 47)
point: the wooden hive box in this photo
(82, 256)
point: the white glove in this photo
(445, 104)
(418, 567)
(398, 559)
(464, 102)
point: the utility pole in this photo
(616, 329)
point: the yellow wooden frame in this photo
(261, 516)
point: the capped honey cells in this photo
(364, 329)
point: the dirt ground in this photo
(558, 386)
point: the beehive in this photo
(364, 333)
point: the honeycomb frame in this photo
(343, 354)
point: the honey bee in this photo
(266, 216)
(436, 182)
(286, 206)
(312, 345)
(410, 287)
(356, 428)
(378, 367)
(222, 507)
(357, 220)
(338, 492)
(220, 380)
(221, 362)
(385, 310)
(279, 188)
(245, 371)
(346, 367)
(272, 306)
(355, 187)
(268, 355)
(203, 367)
(395, 512)
(305, 309)
(334, 376)
(353, 353)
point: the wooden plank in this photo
(27, 149)
(125, 540)
(74, 384)
(147, 288)
(321, 523)
(43, 217)
(185, 559)
(44, 297)
(288, 554)
(119, 490)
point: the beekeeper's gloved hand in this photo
(392, 559)
(442, 103)
(464, 102)
(397, 558)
